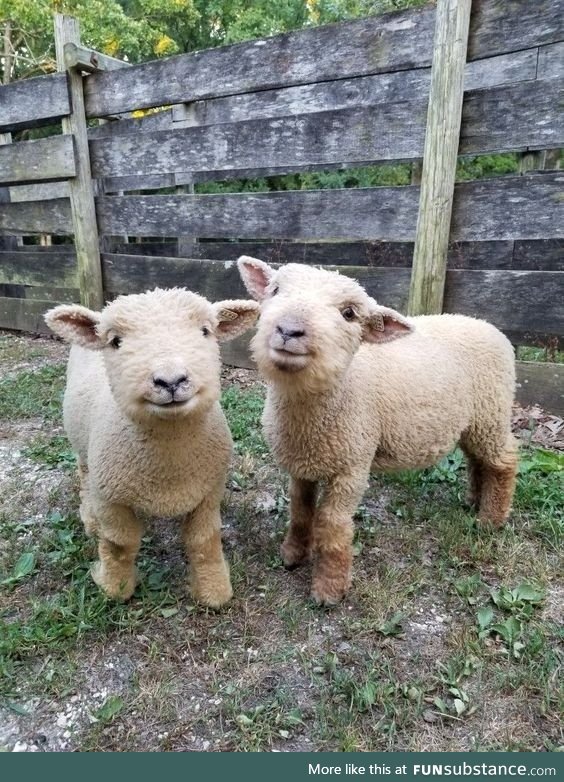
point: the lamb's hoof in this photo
(212, 592)
(329, 592)
(492, 522)
(293, 556)
(117, 590)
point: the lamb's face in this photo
(160, 348)
(312, 322)
(160, 353)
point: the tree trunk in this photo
(8, 54)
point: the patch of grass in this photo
(243, 409)
(51, 451)
(57, 621)
(545, 353)
(33, 394)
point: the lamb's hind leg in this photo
(475, 480)
(498, 484)
(492, 476)
(296, 548)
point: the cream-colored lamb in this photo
(353, 386)
(142, 414)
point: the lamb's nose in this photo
(288, 331)
(169, 384)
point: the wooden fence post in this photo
(81, 187)
(439, 158)
(6, 242)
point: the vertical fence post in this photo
(6, 242)
(81, 187)
(439, 158)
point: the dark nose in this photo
(287, 331)
(169, 384)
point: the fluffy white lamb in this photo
(353, 386)
(142, 414)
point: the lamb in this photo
(354, 386)
(142, 414)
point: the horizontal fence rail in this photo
(31, 103)
(522, 116)
(524, 207)
(43, 160)
(393, 42)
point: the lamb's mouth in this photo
(288, 361)
(168, 405)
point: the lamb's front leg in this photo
(296, 548)
(209, 572)
(119, 539)
(333, 536)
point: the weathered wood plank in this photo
(30, 103)
(81, 188)
(497, 26)
(43, 160)
(537, 255)
(326, 96)
(380, 44)
(516, 301)
(46, 293)
(519, 116)
(76, 56)
(503, 119)
(34, 217)
(508, 299)
(526, 207)
(56, 270)
(497, 208)
(542, 384)
(444, 118)
(551, 61)
(24, 314)
(547, 255)
(42, 192)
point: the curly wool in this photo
(138, 453)
(376, 391)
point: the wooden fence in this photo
(331, 97)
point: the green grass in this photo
(33, 394)
(449, 638)
(243, 409)
(547, 353)
(54, 451)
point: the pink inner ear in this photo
(256, 280)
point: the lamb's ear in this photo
(385, 325)
(75, 324)
(234, 318)
(256, 275)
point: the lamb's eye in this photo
(115, 342)
(348, 313)
(274, 291)
(205, 331)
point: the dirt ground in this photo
(450, 639)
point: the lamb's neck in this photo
(173, 428)
(306, 403)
